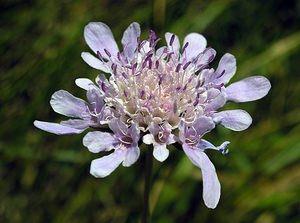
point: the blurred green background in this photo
(45, 178)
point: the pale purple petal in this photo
(96, 100)
(99, 37)
(203, 125)
(171, 139)
(197, 44)
(66, 104)
(77, 123)
(83, 83)
(148, 139)
(129, 40)
(216, 103)
(56, 128)
(204, 144)
(211, 184)
(237, 120)
(132, 154)
(134, 133)
(226, 69)
(118, 127)
(105, 165)
(95, 62)
(175, 42)
(248, 89)
(205, 58)
(181, 134)
(99, 141)
(160, 152)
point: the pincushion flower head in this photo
(159, 97)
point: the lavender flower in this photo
(149, 95)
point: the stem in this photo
(146, 218)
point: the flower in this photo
(162, 96)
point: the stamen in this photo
(148, 56)
(107, 52)
(200, 83)
(124, 75)
(222, 73)
(160, 79)
(119, 56)
(142, 94)
(178, 67)
(150, 64)
(175, 109)
(141, 45)
(172, 40)
(185, 46)
(99, 55)
(156, 64)
(186, 65)
(103, 87)
(196, 102)
(125, 93)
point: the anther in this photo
(184, 47)
(178, 67)
(99, 55)
(221, 74)
(156, 64)
(103, 87)
(150, 64)
(107, 52)
(172, 39)
(119, 56)
(186, 65)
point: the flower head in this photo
(162, 96)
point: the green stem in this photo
(146, 218)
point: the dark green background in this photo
(45, 178)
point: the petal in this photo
(105, 165)
(211, 184)
(207, 56)
(99, 37)
(237, 120)
(66, 104)
(83, 83)
(56, 128)
(248, 89)
(203, 125)
(94, 62)
(96, 101)
(132, 155)
(160, 152)
(226, 68)
(130, 39)
(171, 139)
(134, 133)
(175, 43)
(204, 144)
(148, 139)
(216, 103)
(76, 123)
(181, 128)
(99, 141)
(197, 44)
(118, 127)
